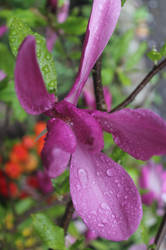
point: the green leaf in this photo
(123, 2)
(154, 55)
(8, 95)
(61, 183)
(18, 32)
(28, 16)
(6, 65)
(163, 50)
(52, 235)
(77, 245)
(136, 57)
(23, 205)
(123, 78)
(74, 25)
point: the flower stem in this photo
(99, 94)
(161, 233)
(67, 216)
(155, 70)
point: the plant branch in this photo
(99, 94)
(161, 233)
(67, 216)
(155, 70)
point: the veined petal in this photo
(102, 22)
(85, 127)
(29, 84)
(104, 195)
(139, 132)
(60, 144)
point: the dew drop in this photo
(118, 195)
(101, 225)
(83, 177)
(78, 187)
(98, 174)
(109, 172)
(105, 206)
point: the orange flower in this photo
(13, 190)
(13, 170)
(19, 153)
(28, 141)
(39, 127)
(31, 163)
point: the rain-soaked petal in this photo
(60, 144)
(102, 22)
(85, 127)
(139, 132)
(104, 195)
(29, 84)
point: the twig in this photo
(100, 102)
(161, 233)
(67, 216)
(156, 69)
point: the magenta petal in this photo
(139, 132)
(29, 83)
(2, 75)
(104, 195)
(3, 29)
(63, 11)
(85, 127)
(59, 145)
(44, 182)
(51, 37)
(102, 22)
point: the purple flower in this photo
(138, 247)
(103, 194)
(3, 29)
(89, 95)
(51, 38)
(90, 235)
(44, 182)
(62, 14)
(61, 11)
(153, 178)
(2, 75)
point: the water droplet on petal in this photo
(101, 225)
(105, 206)
(98, 174)
(83, 177)
(109, 172)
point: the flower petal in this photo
(51, 38)
(2, 75)
(86, 128)
(63, 11)
(29, 83)
(3, 29)
(89, 95)
(102, 22)
(104, 195)
(139, 132)
(60, 144)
